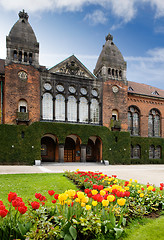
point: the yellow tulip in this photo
(88, 207)
(105, 203)
(121, 201)
(102, 192)
(111, 198)
(94, 203)
(141, 195)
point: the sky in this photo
(79, 27)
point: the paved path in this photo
(154, 174)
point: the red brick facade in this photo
(145, 104)
(115, 101)
(16, 89)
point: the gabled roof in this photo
(2, 66)
(144, 89)
(72, 66)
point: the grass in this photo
(26, 185)
(145, 229)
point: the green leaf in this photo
(73, 232)
(67, 237)
(118, 232)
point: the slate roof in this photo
(144, 89)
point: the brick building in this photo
(69, 93)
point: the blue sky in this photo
(66, 27)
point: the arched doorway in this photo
(49, 148)
(72, 149)
(94, 149)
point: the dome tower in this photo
(110, 64)
(21, 43)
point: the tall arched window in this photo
(47, 106)
(94, 111)
(115, 115)
(157, 153)
(83, 110)
(22, 106)
(151, 151)
(136, 152)
(72, 109)
(133, 120)
(60, 107)
(154, 123)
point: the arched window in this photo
(83, 110)
(20, 56)
(25, 57)
(94, 111)
(136, 152)
(115, 115)
(15, 55)
(157, 154)
(133, 120)
(60, 107)
(47, 106)
(154, 123)
(72, 109)
(22, 106)
(151, 152)
(30, 58)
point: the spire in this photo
(23, 15)
(109, 37)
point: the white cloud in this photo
(158, 5)
(96, 17)
(149, 69)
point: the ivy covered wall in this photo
(22, 144)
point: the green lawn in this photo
(26, 185)
(145, 229)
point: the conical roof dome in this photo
(110, 56)
(22, 33)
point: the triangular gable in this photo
(72, 66)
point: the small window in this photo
(25, 57)
(22, 109)
(15, 55)
(30, 58)
(20, 56)
(112, 72)
(22, 106)
(155, 93)
(130, 89)
(109, 71)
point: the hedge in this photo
(21, 144)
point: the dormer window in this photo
(155, 93)
(130, 89)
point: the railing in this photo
(22, 116)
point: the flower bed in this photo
(97, 213)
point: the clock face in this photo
(72, 89)
(83, 91)
(47, 86)
(22, 75)
(60, 88)
(115, 89)
(94, 93)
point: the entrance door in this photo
(69, 150)
(48, 149)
